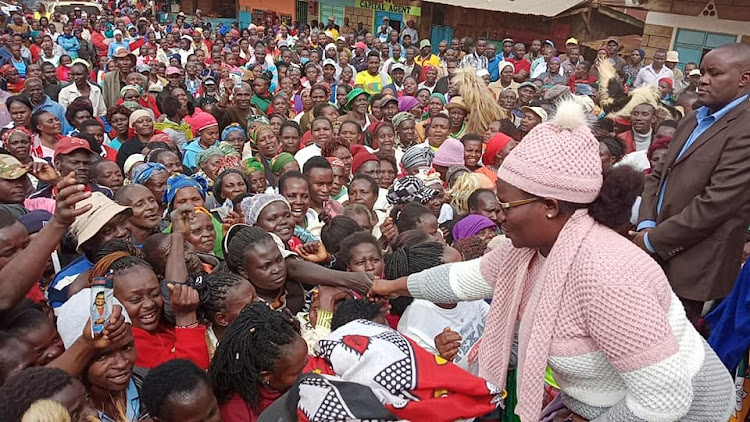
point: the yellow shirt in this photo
(372, 84)
(432, 60)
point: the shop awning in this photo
(547, 8)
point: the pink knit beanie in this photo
(450, 153)
(558, 159)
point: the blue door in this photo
(440, 33)
(395, 20)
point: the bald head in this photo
(725, 75)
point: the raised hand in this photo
(70, 193)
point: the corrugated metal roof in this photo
(547, 8)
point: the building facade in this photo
(369, 12)
(694, 27)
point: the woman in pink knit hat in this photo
(589, 303)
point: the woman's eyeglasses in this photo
(505, 206)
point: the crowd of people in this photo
(291, 222)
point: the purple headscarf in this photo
(406, 103)
(471, 225)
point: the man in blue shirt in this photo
(695, 206)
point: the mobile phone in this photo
(101, 303)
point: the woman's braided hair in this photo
(244, 239)
(218, 285)
(251, 344)
(408, 260)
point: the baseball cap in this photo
(424, 43)
(171, 70)
(35, 220)
(143, 68)
(361, 45)
(397, 66)
(549, 42)
(536, 110)
(694, 72)
(329, 62)
(508, 40)
(673, 56)
(340, 38)
(87, 225)
(528, 84)
(10, 167)
(68, 144)
(387, 99)
(613, 39)
(282, 43)
(571, 41)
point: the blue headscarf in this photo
(179, 181)
(234, 127)
(143, 172)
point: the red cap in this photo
(362, 157)
(361, 45)
(68, 144)
(203, 120)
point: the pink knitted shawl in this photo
(545, 288)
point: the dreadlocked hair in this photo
(476, 96)
(26, 387)
(171, 379)
(345, 249)
(351, 310)
(251, 344)
(409, 260)
(244, 239)
(218, 286)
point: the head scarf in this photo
(126, 88)
(668, 81)
(6, 69)
(641, 52)
(409, 189)
(227, 162)
(137, 114)
(497, 143)
(278, 162)
(438, 95)
(204, 155)
(471, 225)
(336, 162)
(254, 205)
(143, 172)
(130, 162)
(227, 149)
(179, 181)
(401, 117)
(251, 165)
(407, 103)
(10, 132)
(417, 156)
(234, 127)
(160, 137)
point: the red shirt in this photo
(572, 81)
(519, 65)
(167, 343)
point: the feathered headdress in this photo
(615, 101)
(476, 96)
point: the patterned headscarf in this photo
(278, 162)
(401, 117)
(336, 162)
(126, 88)
(179, 181)
(251, 165)
(204, 155)
(10, 132)
(254, 205)
(227, 149)
(227, 162)
(417, 156)
(143, 172)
